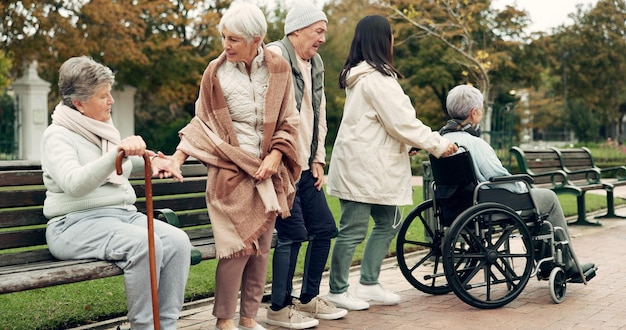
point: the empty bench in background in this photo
(26, 263)
(546, 168)
(579, 164)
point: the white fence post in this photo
(33, 111)
(123, 111)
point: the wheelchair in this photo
(480, 240)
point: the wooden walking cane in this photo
(150, 214)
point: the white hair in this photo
(245, 20)
(462, 99)
(79, 77)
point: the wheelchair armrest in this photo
(512, 178)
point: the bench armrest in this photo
(558, 178)
(168, 216)
(617, 172)
(592, 175)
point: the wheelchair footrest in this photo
(589, 274)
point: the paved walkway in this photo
(598, 305)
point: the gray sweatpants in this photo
(121, 235)
(547, 202)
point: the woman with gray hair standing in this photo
(245, 130)
(91, 209)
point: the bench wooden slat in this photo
(22, 198)
(22, 217)
(183, 203)
(23, 238)
(194, 219)
(9, 260)
(50, 273)
(21, 177)
(169, 187)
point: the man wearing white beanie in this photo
(311, 219)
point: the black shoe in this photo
(589, 271)
(545, 269)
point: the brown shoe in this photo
(320, 308)
(288, 317)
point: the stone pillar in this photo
(123, 111)
(32, 92)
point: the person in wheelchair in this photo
(464, 105)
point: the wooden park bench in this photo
(546, 167)
(579, 164)
(26, 263)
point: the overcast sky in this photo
(546, 14)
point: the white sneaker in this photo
(347, 301)
(376, 292)
(320, 308)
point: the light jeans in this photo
(353, 225)
(121, 235)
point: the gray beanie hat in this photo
(301, 16)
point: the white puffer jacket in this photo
(245, 96)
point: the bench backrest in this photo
(579, 164)
(538, 163)
(23, 225)
(575, 158)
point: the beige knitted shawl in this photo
(240, 207)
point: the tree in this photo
(476, 45)
(161, 47)
(343, 16)
(591, 57)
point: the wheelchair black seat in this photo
(454, 188)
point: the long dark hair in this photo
(372, 43)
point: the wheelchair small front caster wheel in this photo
(558, 285)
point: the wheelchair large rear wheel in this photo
(497, 247)
(418, 249)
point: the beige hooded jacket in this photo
(370, 160)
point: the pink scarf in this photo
(104, 135)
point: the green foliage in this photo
(5, 69)
(7, 126)
(589, 57)
(583, 121)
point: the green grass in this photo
(81, 303)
